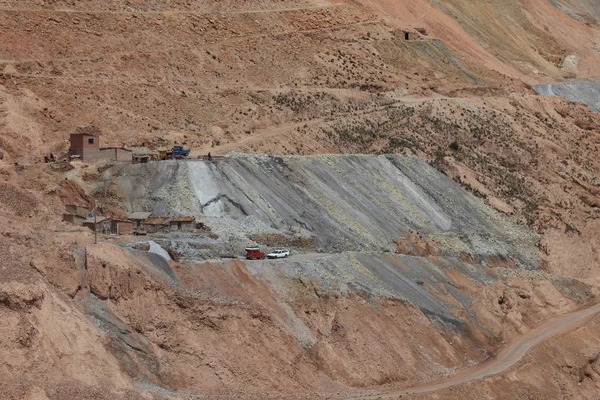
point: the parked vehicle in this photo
(254, 253)
(180, 152)
(282, 253)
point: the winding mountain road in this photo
(508, 357)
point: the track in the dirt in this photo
(508, 357)
(167, 12)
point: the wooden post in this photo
(95, 225)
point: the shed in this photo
(85, 143)
(137, 158)
(79, 210)
(102, 224)
(411, 35)
(156, 224)
(182, 223)
(73, 219)
(138, 218)
(121, 226)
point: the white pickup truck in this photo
(278, 254)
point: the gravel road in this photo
(508, 357)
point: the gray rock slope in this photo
(587, 92)
(354, 202)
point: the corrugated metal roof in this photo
(182, 219)
(98, 220)
(155, 221)
(139, 215)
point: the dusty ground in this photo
(295, 77)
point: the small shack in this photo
(138, 219)
(182, 223)
(75, 214)
(411, 35)
(73, 219)
(102, 224)
(79, 210)
(85, 143)
(121, 226)
(140, 158)
(156, 224)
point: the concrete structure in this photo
(166, 224)
(75, 214)
(115, 153)
(137, 158)
(85, 144)
(182, 223)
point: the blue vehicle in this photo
(180, 152)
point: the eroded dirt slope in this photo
(81, 315)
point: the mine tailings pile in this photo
(397, 275)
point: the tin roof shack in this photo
(156, 224)
(102, 224)
(73, 219)
(121, 226)
(138, 218)
(182, 223)
(137, 158)
(80, 211)
(75, 214)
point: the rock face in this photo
(581, 10)
(587, 92)
(341, 202)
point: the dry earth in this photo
(293, 77)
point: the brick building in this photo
(85, 143)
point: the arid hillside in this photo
(529, 40)
(469, 219)
(205, 73)
(178, 315)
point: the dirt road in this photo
(508, 357)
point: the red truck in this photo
(254, 253)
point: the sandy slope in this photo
(509, 356)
